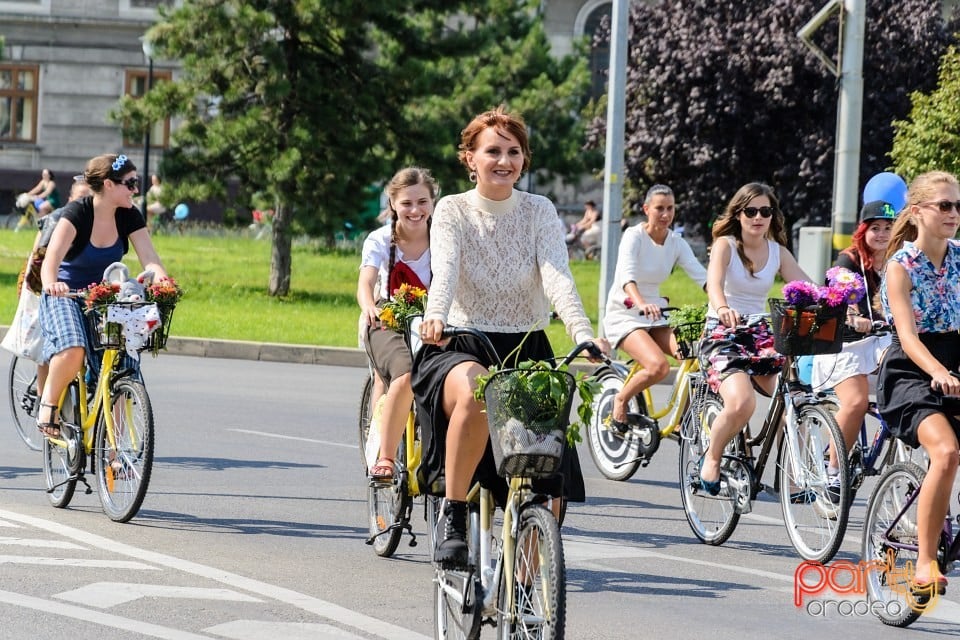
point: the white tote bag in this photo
(23, 338)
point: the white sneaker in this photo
(828, 505)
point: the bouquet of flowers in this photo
(406, 301)
(809, 319)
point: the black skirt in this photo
(904, 395)
(430, 369)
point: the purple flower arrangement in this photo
(843, 287)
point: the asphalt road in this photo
(255, 520)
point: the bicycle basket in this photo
(109, 335)
(813, 330)
(688, 339)
(528, 411)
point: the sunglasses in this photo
(132, 183)
(945, 206)
(751, 212)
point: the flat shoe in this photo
(713, 488)
(927, 588)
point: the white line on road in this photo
(98, 617)
(104, 595)
(329, 610)
(36, 542)
(283, 437)
(87, 563)
(259, 629)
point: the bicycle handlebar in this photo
(452, 332)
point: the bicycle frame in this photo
(679, 397)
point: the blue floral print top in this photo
(935, 293)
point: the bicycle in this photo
(110, 424)
(390, 503)
(802, 429)
(516, 582)
(889, 547)
(24, 214)
(619, 453)
(22, 395)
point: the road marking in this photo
(77, 562)
(283, 437)
(98, 617)
(104, 595)
(4, 523)
(260, 630)
(322, 608)
(43, 544)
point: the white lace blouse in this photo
(498, 266)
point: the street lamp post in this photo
(147, 47)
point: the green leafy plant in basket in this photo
(535, 394)
(687, 323)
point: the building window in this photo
(599, 55)
(18, 102)
(136, 86)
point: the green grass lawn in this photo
(225, 281)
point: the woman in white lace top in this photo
(499, 261)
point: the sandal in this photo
(383, 469)
(49, 429)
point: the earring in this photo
(473, 176)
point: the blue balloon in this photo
(181, 212)
(888, 187)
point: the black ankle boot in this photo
(451, 551)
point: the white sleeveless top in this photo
(747, 293)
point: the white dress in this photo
(647, 264)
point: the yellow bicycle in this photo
(617, 452)
(111, 424)
(24, 214)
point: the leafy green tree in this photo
(722, 93)
(930, 137)
(310, 102)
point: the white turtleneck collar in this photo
(492, 206)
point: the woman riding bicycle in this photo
(46, 194)
(394, 255)
(749, 250)
(499, 260)
(846, 372)
(921, 299)
(93, 232)
(648, 254)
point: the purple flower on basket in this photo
(831, 296)
(847, 284)
(801, 293)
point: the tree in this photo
(722, 93)
(310, 102)
(930, 137)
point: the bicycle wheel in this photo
(60, 479)
(123, 472)
(24, 401)
(365, 413)
(388, 507)
(712, 518)
(431, 508)
(815, 514)
(615, 454)
(887, 529)
(538, 608)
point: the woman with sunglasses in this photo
(916, 391)
(93, 232)
(748, 252)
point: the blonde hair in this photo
(922, 189)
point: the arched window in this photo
(588, 21)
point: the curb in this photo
(293, 353)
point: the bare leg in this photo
(940, 442)
(647, 349)
(853, 396)
(396, 408)
(63, 368)
(739, 403)
(467, 432)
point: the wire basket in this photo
(528, 412)
(109, 335)
(688, 348)
(806, 331)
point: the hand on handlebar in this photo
(603, 346)
(431, 332)
(729, 317)
(57, 289)
(860, 324)
(651, 311)
(946, 383)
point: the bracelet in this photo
(719, 309)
